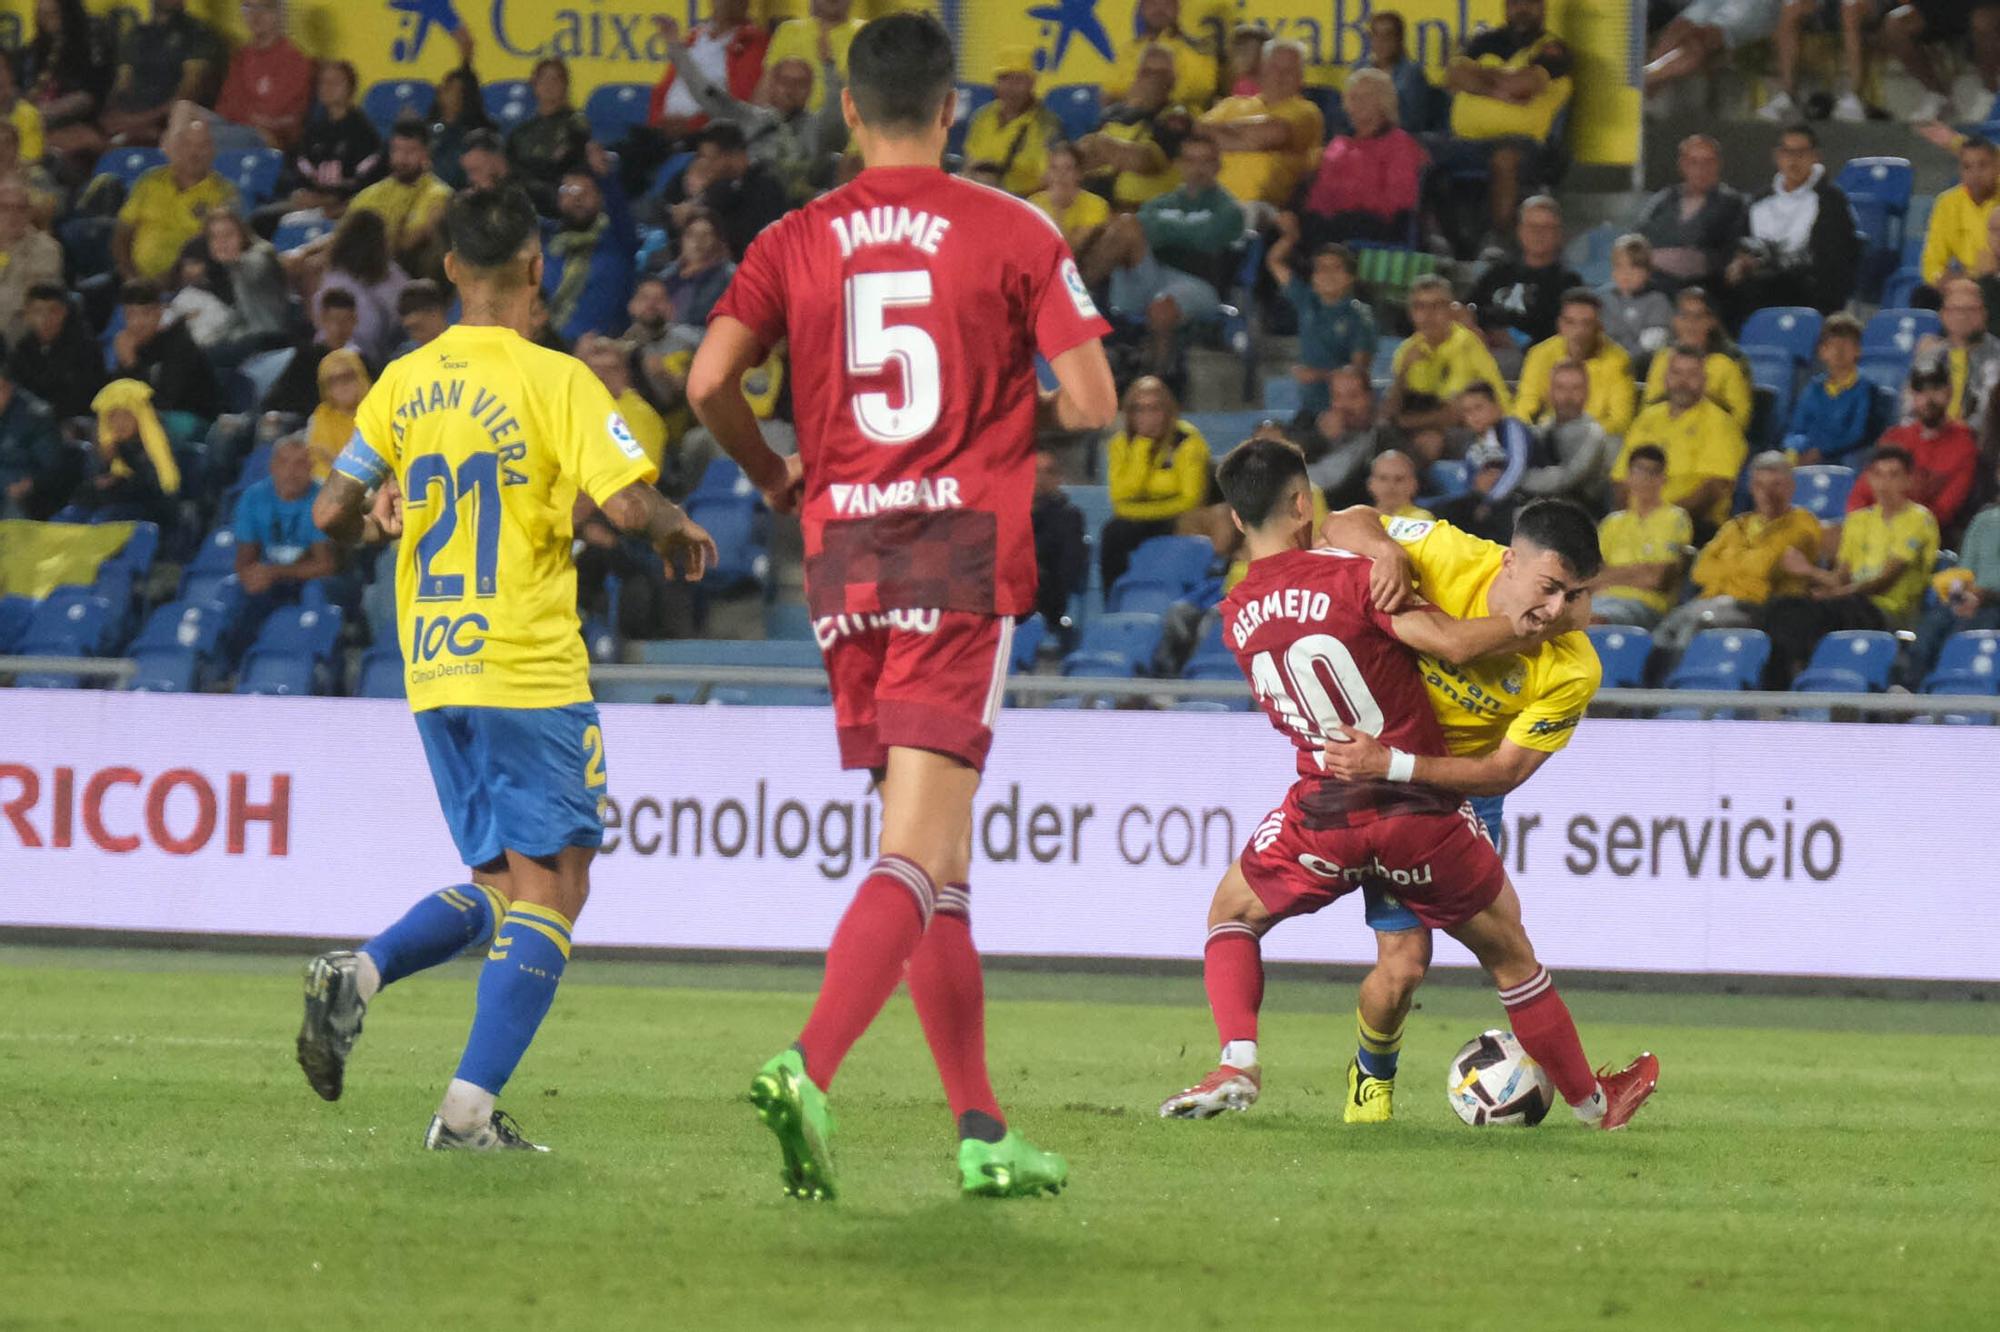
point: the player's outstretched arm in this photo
(684, 545)
(1356, 757)
(715, 391)
(1086, 398)
(1448, 638)
(344, 511)
(1392, 582)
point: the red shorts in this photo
(922, 679)
(1441, 866)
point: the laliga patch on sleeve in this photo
(1409, 530)
(621, 435)
(1078, 293)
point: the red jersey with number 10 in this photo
(1317, 653)
(914, 303)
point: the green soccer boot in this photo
(794, 1108)
(1010, 1168)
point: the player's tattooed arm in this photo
(350, 516)
(1392, 582)
(687, 549)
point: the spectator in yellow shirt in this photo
(1743, 567)
(1159, 24)
(1392, 485)
(1158, 474)
(1270, 142)
(1956, 238)
(1014, 130)
(410, 201)
(1434, 364)
(168, 204)
(1580, 337)
(1077, 213)
(1703, 445)
(1508, 86)
(1130, 154)
(828, 30)
(1887, 552)
(610, 359)
(1642, 545)
(1696, 324)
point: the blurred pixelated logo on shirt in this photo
(1063, 20)
(418, 18)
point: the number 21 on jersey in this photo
(1316, 687)
(874, 345)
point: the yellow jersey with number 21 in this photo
(1534, 699)
(491, 437)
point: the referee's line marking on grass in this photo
(122, 1038)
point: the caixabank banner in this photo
(1070, 41)
(1729, 847)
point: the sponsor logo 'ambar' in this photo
(120, 809)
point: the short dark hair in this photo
(1564, 529)
(1256, 475)
(1335, 250)
(900, 71)
(483, 141)
(49, 291)
(1651, 453)
(422, 294)
(1841, 324)
(490, 228)
(1975, 143)
(1890, 453)
(1801, 130)
(1479, 388)
(413, 128)
(139, 292)
(340, 298)
(1401, 29)
(725, 136)
(1583, 296)
(347, 71)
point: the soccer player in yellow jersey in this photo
(1502, 716)
(487, 440)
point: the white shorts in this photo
(1741, 21)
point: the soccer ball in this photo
(1493, 1081)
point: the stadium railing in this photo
(1042, 690)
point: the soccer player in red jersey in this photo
(913, 304)
(1321, 656)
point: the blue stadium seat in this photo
(1886, 369)
(384, 103)
(163, 670)
(1899, 331)
(1332, 111)
(1282, 395)
(1890, 179)
(737, 526)
(723, 480)
(1880, 230)
(788, 620)
(1211, 666)
(509, 102)
(1589, 253)
(217, 553)
(313, 631)
(1623, 652)
(294, 234)
(15, 614)
(1850, 661)
(1149, 595)
(1029, 635)
(615, 109)
(1178, 561)
(1077, 106)
(1822, 489)
(1225, 430)
(1209, 649)
(1448, 476)
(1115, 645)
(128, 164)
(253, 171)
(1969, 663)
(136, 556)
(1722, 659)
(1916, 227)
(221, 590)
(381, 673)
(1902, 285)
(69, 622)
(284, 671)
(1793, 329)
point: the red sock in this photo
(1542, 1023)
(1232, 969)
(950, 995)
(883, 925)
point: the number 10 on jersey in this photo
(874, 345)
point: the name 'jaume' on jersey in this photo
(889, 225)
(494, 416)
(1291, 603)
(925, 492)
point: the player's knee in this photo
(1401, 967)
(1235, 903)
(1164, 313)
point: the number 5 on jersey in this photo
(874, 345)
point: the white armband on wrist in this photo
(1402, 766)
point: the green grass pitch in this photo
(1808, 1163)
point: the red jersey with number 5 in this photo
(1318, 654)
(913, 303)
